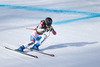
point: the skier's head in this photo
(48, 21)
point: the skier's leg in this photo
(40, 40)
(44, 37)
(32, 39)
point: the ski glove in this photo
(49, 29)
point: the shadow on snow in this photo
(63, 45)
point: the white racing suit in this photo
(38, 36)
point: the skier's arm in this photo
(39, 29)
(53, 31)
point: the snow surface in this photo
(77, 22)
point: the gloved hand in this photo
(49, 29)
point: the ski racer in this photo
(38, 36)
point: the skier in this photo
(39, 34)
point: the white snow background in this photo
(77, 23)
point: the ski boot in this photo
(36, 47)
(21, 48)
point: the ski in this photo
(22, 52)
(52, 55)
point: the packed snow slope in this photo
(77, 23)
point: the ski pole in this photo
(30, 29)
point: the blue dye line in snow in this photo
(91, 15)
(47, 10)
(73, 20)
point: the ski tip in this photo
(52, 55)
(36, 57)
